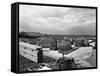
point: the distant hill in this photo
(30, 34)
(34, 34)
(75, 36)
(37, 34)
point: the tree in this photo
(22, 34)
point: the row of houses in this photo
(63, 44)
(58, 44)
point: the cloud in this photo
(57, 20)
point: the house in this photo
(64, 45)
(45, 42)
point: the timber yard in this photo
(55, 52)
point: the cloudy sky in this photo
(57, 20)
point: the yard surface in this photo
(85, 56)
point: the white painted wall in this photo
(5, 41)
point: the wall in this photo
(5, 39)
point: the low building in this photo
(45, 42)
(81, 42)
(64, 45)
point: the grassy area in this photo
(25, 63)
